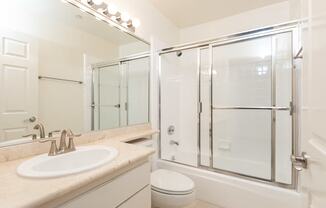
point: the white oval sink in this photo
(83, 159)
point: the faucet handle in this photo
(71, 134)
(53, 148)
(71, 144)
(34, 136)
(52, 132)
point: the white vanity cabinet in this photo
(129, 190)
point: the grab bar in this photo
(60, 79)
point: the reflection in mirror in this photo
(120, 93)
(61, 67)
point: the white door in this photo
(18, 84)
(314, 106)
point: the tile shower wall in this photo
(179, 106)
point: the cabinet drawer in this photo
(141, 200)
(115, 192)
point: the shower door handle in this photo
(300, 161)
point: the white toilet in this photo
(171, 189)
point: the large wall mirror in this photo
(62, 67)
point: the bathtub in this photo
(232, 192)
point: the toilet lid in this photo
(170, 181)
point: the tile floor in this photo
(202, 204)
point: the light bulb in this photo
(136, 22)
(101, 10)
(87, 2)
(125, 17)
(97, 2)
(112, 9)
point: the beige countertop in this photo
(16, 191)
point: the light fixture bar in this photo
(111, 14)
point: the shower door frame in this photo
(119, 62)
(292, 27)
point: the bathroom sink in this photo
(83, 159)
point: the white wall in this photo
(179, 107)
(132, 49)
(269, 15)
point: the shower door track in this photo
(251, 108)
(292, 27)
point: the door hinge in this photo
(300, 162)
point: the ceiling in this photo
(186, 13)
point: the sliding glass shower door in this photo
(251, 107)
(228, 106)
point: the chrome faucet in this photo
(40, 127)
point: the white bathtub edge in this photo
(231, 192)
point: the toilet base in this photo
(161, 200)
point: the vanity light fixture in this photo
(108, 13)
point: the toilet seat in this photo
(171, 182)
(171, 192)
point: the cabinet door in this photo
(142, 199)
(115, 192)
